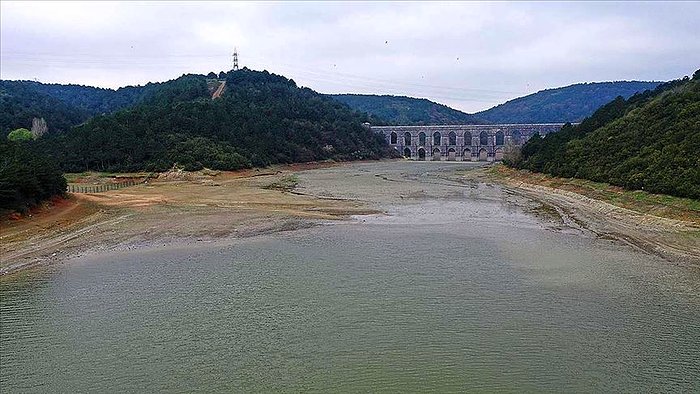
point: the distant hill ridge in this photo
(558, 105)
(565, 104)
(64, 106)
(402, 110)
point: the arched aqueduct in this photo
(460, 142)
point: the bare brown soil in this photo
(219, 91)
(174, 207)
(179, 207)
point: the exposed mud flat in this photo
(672, 239)
(172, 209)
(675, 240)
(185, 208)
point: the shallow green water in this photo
(452, 294)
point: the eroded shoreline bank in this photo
(673, 234)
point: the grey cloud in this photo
(468, 55)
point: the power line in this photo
(71, 59)
(336, 74)
(351, 81)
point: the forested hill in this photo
(64, 106)
(20, 103)
(93, 100)
(261, 119)
(650, 141)
(567, 104)
(403, 110)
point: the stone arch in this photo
(452, 138)
(392, 138)
(467, 138)
(407, 138)
(498, 156)
(421, 139)
(466, 155)
(484, 138)
(437, 138)
(500, 138)
(436, 154)
(451, 154)
(483, 154)
(421, 153)
(516, 137)
(407, 152)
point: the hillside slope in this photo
(403, 110)
(64, 106)
(566, 104)
(20, 103)
(92, 100)
(650, 141)
(260, 119)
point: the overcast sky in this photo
(470, 56)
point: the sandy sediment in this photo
(675, 240)
(172, 209)
(672, 239)
(179, 208)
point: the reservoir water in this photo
(456, 288)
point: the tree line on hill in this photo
(264, 119)
(20, 103)
(566, 104)
(65, 106)
(650, 141)
(401, 110)
(261, 119)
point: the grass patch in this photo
(286, 183)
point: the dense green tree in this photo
(65, 106)
(403, 110)
(26, 177)
(21, 134)
(261, 119)
(650, 141)
(20, 103)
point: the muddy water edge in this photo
(460, 284)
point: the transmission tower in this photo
(235, 58)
